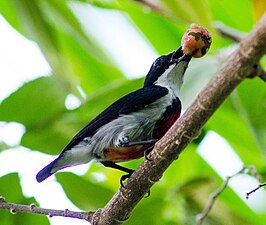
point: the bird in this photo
(129, 128)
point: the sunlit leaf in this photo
(230, 125)
(83, 193)
(35, 103)
(162, 33)
(149, 211)
(250, 101)
(190, 11)
(237, 14)
(7, 9)
(11, 190)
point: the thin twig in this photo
(228, 32)
(255, 189)
(32, 208)
(245, 170)
(152, 5)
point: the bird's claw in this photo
(147, 152)
(126, 176)
(123, 178)
(148, 194)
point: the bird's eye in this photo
(158, 62)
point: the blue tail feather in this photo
(46, 172)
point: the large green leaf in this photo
(8, 10)
(162, 33)
(10, 189)
(34, 23)
(229, 124)
(84, 193)
(148, 211)
(71, 53)
(35, 103)
(190, 11)
(51, 139)
(237, 14)
(90, 72)
(88, 63)
(249, 101)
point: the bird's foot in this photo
(147, 152)
(124, 177)
(148, 194)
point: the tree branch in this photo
(229, 32)
(239, 66)
(32, 208)
(254, 190)
(237, 36)
(245, 170)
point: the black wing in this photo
(125, 105)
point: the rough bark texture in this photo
(239, 66)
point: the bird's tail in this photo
(47, 171)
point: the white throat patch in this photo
(172, 78)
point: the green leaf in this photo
(83, 193)
(33, 22)
(230, 125)
(35, 103)
(190, 11)
(13, 194)
(51, 139)
(88, 63)
(11, 190)
(225, 11)
(148, 211)
(90, 72)
(249, 100)
(8, 10)
(161, 32)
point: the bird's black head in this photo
(163, 63)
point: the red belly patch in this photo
(164, 125)
(125, 153)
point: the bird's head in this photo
(168, 70)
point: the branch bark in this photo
(239, 66)
(237, 37)
(32, 208)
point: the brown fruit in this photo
(196, 41)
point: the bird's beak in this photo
(178, 56)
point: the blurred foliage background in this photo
(81, 67)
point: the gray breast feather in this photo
(136, 126)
